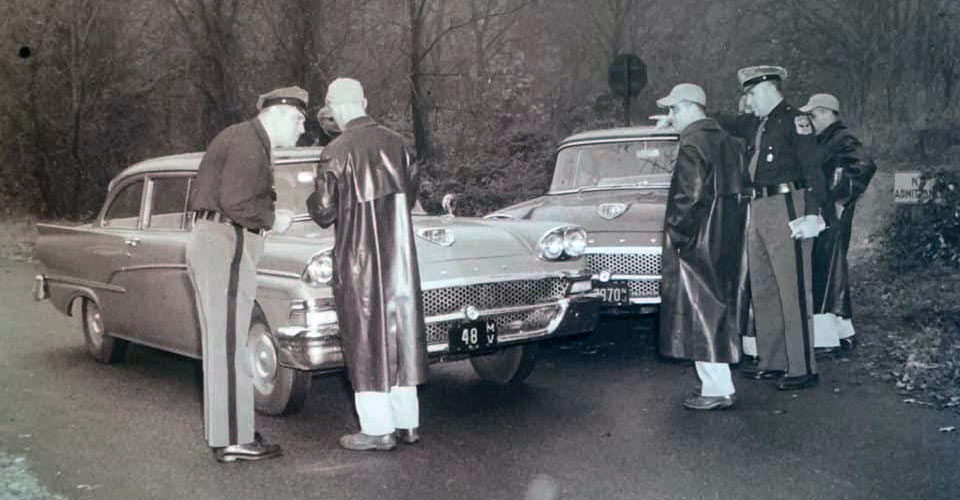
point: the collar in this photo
(831, 131)
(780, 109)
(262, 135)
(701, 124)
(360, 122)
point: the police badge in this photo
(803, 124)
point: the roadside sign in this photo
(906, 187)
(627, 75)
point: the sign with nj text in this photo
(906, 187)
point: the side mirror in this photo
(447, 204)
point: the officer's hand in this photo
(663, 121)
(808, 226)
(282, 220)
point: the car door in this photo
(116, 232)
(156, 272)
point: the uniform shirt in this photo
(235, 177)
(788, 150)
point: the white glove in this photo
(282, 220)
(663, 121)
(808, 226)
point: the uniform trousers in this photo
(222, 265)
(828, 329)
(384, 412)
(715, 379)
(780, 281)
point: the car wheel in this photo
(508, 366)
(277, 390)
(101, 346)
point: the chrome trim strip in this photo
(644, 250)
(460, 315)
(629, 277)
(609, 140)
(587, 189)
(146, 267)
(277, 274)
(645, 300)
(86, 283)
(498, 278)
(440, 347)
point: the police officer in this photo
(233, 203)
(785, 166)
(847, 173)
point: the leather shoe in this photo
(256, 450)
(409, 436)
(709, 402)
(362, 442)
(848, 344)
(825, 352)
(799, 382)
(761, 374)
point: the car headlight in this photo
(574, 241)
(319, 270)
(565, 242)
(551, 245)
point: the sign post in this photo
(627, 76)
(907, 191)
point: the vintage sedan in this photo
(614, 184)
(489, 289)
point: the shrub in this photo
(928, 234)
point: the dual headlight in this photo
(319, 270)
(563, 242)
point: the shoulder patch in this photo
(803, 124)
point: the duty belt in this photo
(213, 215)
(773, 189)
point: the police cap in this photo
(291, 96)
(753, 75)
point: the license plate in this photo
(473, 336)
(616, 295)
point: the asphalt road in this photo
(600, 418)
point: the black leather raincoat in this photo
(847, 171)
(366, 185)
(705, 299)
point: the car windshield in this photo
(614, 164)
(294, 184)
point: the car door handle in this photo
(132, 242)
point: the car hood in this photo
(481, 248)
(644, 209)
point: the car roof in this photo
(619, 135)
(191, 161)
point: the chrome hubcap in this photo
(94, 324)
(263, 360)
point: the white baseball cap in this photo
(684, 92)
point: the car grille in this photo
(506, 323)
(624, 263)
(630, 263)
(492, 295)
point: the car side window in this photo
(169, 202)
(124, 210)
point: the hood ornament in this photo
(611, 211)
(437, 235)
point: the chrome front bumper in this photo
(319, 349)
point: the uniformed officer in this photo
(233, 203)
(847, 173)
(785, 165)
